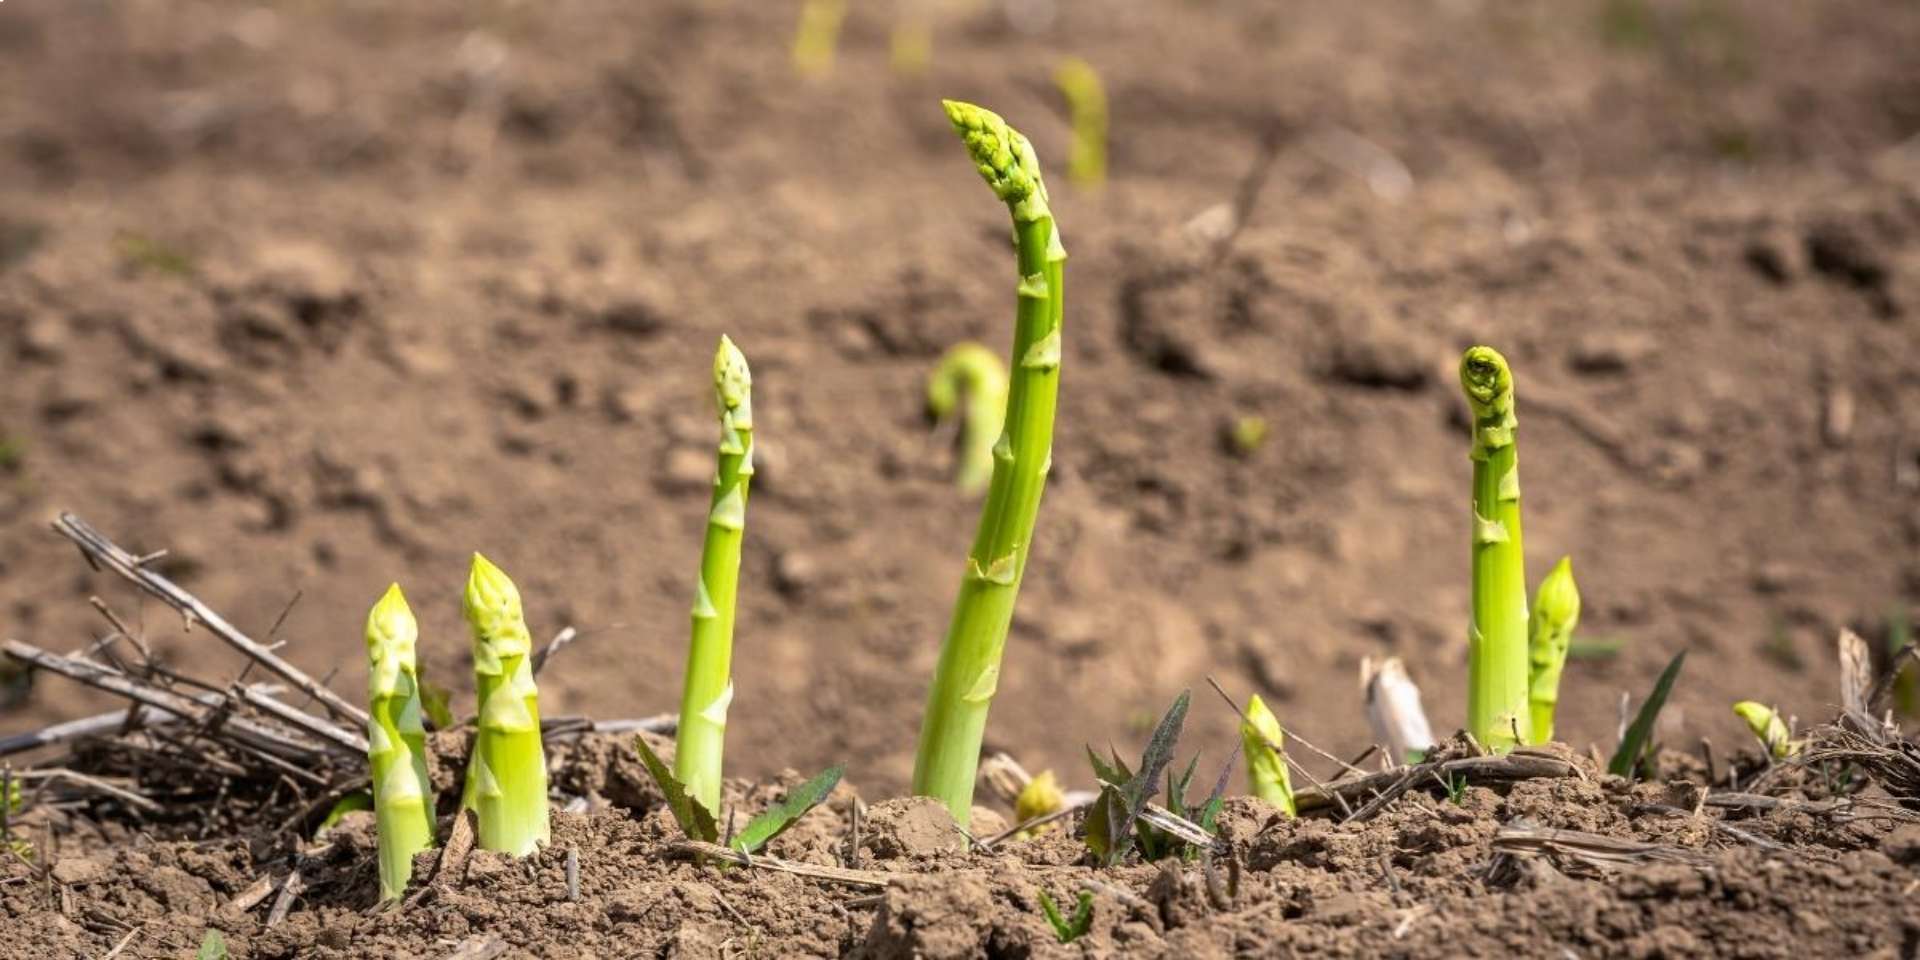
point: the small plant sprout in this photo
(972, 381)
(1110, 821)
(1636, 742)
(1260, 741)
(1068, 930)
(396, 742)
(507, 778)
(709, 681)
(968, 670)
(817, 35)
(1087, 105)
(1767, 726)
(1556, 611)
(1497, 709)
(1244, 435)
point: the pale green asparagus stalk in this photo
(396, 742)
(1767, 726)
(973, 373)
(507, 778)
(1260, 742)
(1497, 708)
(709, 683)
(969, 667)
(817, 35)
(1087, 105)
(1556, 611)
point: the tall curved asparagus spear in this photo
(1497, 708)
(396, 742)
(1556, 611)
(709, 684)
(972, 372)
(507, 778)
(969, 667)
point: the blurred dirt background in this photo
(322, 295)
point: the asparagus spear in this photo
(507, 778)
(1497, 709)
(1087, 105)
(969, 667)
(974, 373)
(709, 683)
(1260, 740)
(1767, 726)
(396, 742)
(1556, 611)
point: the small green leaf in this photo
(695, 820)
(357, 800)
(1639, 735)
(1108, 809)
(777, 818)
(1068, 930)
(213, 947)
(1115, 773)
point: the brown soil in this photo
(322, 296)
(1423, 879)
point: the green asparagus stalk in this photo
(1260, 740)
(1497, 708)
(1556, 611)
(973, 373)
(969, 667)
(1087, 105)
(1767, 726)
(709, 683)
(817, 35)
(396, 742)
(507, 778)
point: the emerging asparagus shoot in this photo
(1087, 105)
(1497, 708)
(507, 778)
(817, 35)
(1556, 611)
(396, 742)
(970, 373)
(1768, 728)
(1260, 741)
(969, 667)
(709, 682)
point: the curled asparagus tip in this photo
(1042, 795)
(492, 601)
(1003, 156)
(390, 624)
(1558, 602)
(1766, 725)
(1488, 382)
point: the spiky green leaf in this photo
(776, 819)
(694, 818)
(1639, 735)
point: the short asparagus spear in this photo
(709, 681)
(1556, 611)
(1260, 741)
(972, 373)
(396, 742)
(969, 667)
(1087, 105)
(1767, 726)
(1497, 708)
(507, 778)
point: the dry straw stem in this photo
(101, 551)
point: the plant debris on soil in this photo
(295, 298)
